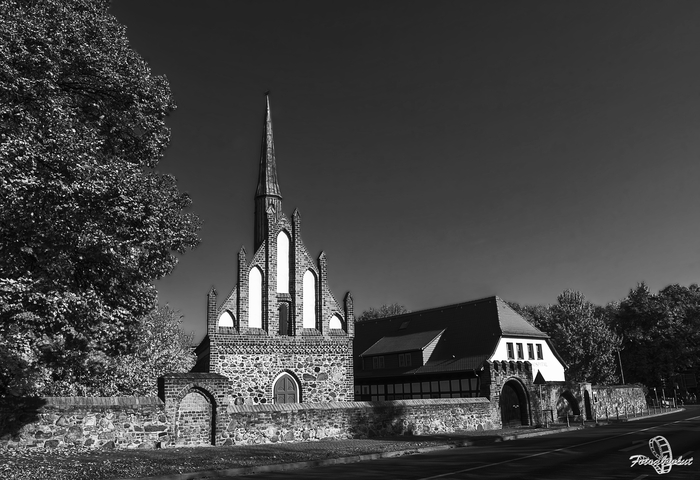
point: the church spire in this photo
(267, 176)
(268, 192)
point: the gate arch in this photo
(567, 405)
(196, 418)
(514, 404)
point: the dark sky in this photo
(438, 151)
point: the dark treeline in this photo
(650, 338)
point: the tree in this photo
(160, 346)
(580, 334)
(383, 311)
(86, 221)
(661, 332)
(583, 339)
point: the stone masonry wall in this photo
(321, 365)
(608, 401)
(123, 423)
(58, 422)
(338, 420)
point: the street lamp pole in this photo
(621, 372)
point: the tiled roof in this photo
(402, 343)
(471, 334)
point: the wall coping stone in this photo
(282, 407)
(600, 387)
(101, 401)
(195, 375)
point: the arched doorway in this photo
(567, 405)
(285, 389)
(514, 405)
(195, 418)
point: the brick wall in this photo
(59, 422)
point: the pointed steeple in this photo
(268, 192)
(267, 175)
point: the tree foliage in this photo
(580, 335)
(661, 332)
(160, 346)
(383, 311)
(86, 222)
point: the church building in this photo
(280, 336)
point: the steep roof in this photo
(471, 333)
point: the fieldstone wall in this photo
(609, 401)
(94, 422)
(571, 399)
(123, 423)
(322, 366)
(257, 424)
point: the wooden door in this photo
(285, 390)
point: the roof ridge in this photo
(432, 309)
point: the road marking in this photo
(525, 457)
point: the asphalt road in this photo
(593, 453)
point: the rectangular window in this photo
(539, 352)
(377, 362)
(530, 352)
(521, 356)
(404, 359)
(511, 354)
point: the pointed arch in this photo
(286, 388)
(282, 262)
(309, 300)
(255, 298)
(227, 319)
(335, 322)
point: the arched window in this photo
(309, 300)
(227, 319)
(336, 322)
(282, 262)
(255, 287)
(285, 389)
